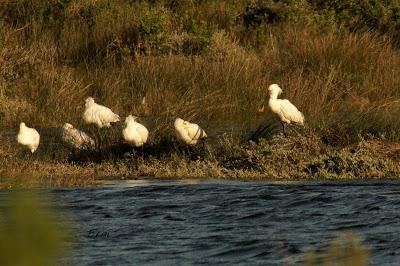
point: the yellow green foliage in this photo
(31, 232)
(346, 250)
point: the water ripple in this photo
(226, 223)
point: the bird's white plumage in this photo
(28, 136)
(188, 132)
(76, 138)
(134, 133)
(286, 111)
(98, 114)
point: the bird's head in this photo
(21, 125)
(179, 122)
(89, 101)
(274, 89)
(68, 126)
(130, 119)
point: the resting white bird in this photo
(98, 114)
(284, 109)
(188, 132)
(135, 134)
(76, 138)
(28, 136)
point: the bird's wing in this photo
(83, 138)
(89, 114)
(71, 136)
(127, 133)
(194, 131)
(182, 134)
(67, 135)
(34, 135)
(143, 132)
(106, 114)
(291, 113)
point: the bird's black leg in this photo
(99, 142)
(283, 126)
(188, 151)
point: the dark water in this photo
(226, 223)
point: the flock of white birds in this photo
(136, 134)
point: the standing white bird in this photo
(188, 132)
(135, 134)
(76, 138)
(28, 136)
(98, 114)
(283, 108)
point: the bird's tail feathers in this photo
(117, 118)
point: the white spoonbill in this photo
(28, 136)
(98, 114)
(283, 108)
(135, 134)
(76, 138)
(188, 132)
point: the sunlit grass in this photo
(340, 80)
(198, 61)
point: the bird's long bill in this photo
(261, 108)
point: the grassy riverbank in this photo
(297, 157)
(209, 62)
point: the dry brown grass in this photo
(338, 80)
(386, 148)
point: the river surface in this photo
(227, 222)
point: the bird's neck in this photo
(273, 102)
(87, 105)
(273, 96)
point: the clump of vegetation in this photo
(382, 16)
(31, 233)
(209, 62)
(297, 157)
(345, 250)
